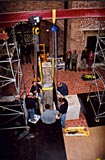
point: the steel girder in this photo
(14, 17)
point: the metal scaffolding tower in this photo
(97, 99)
(12, 105)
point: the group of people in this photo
(32, 100)
(71, 58)
(49, 115)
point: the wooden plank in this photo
(7, 99)
(78, 146)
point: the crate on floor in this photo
(73, 107)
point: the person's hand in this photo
(35, 91)
(57, 117)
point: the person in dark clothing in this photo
(74, 58)
(63, 110)
(27, 53)
(90, 59)
(67, 59)
(37, 88)
(30, 102)
(62, 88)
(84, 59)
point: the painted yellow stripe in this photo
(47, 89)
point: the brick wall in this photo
(87, 4)
(75, 36)
(15, 6)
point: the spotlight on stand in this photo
(34, 20)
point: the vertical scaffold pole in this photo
(55, 48)
(97, 99)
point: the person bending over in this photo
(63, 110)
(62, 88)
(37, 88)
(49, 116)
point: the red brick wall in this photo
(87, 4)
(15, 6)
(25, 5)
(75, 36)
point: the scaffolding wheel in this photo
(97, 120)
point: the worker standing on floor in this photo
(63, 110)
(30, 105)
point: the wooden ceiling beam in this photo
(14, 17)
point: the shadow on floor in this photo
(43, 142)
